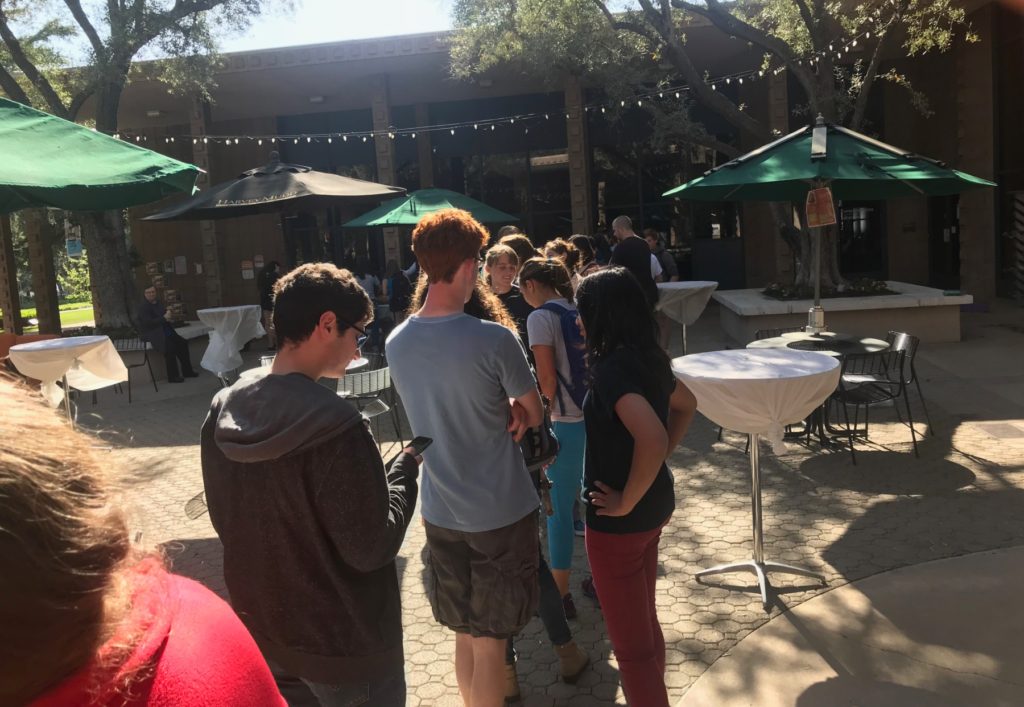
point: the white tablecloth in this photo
(233, 328)
(758, 391)
(90, 362)
(684, 302)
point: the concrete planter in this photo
(922, 311)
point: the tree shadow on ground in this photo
(841, 689)
(883, 472)
(910, 530)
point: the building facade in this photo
(566, 166)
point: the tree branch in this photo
(83, 21)
(12, 88)
(809, 20)
(870, 74)
(29, 69)
(732, 25)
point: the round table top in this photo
(827, 342)
(758, 391)
(738, 365)
(357, 363)
(67, 342)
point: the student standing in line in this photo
(635, 414)
(560, 357)
(501, 266)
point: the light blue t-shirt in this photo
(455, 375)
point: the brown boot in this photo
(573, 661)
(512, 695)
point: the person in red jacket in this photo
(87, 620)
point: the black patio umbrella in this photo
(275, 187)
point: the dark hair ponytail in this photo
(550, 272)
(616, 314)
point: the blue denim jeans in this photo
(551, 610)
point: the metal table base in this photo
(757, 565)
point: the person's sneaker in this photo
(572, 661)
(570, 606)
(589, 590)
(579, 527)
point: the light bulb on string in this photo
(260, 141)
(476, 126)
(661, 94)
(677, 94)
(296, 141)
(330, 140)
(413, 136)
(195, 140)
(309, 139)
(492, 127)
(602, 109)
(204, 140)
(236, 140)
(364, 138)
(344, 138)
(452, 131)
(622, 104)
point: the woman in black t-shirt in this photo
(635, 415)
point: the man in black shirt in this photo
(154, 328)
(633, 254)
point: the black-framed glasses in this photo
(361, 339)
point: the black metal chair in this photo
(908, 343)
(872, 379)
(373, 393)
(136, 345)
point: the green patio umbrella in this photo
(852, 165)
(409, 210)
(54, 163)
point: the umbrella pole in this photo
(816, 315)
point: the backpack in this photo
(575, 351)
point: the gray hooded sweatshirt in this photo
(311, 522)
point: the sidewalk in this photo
(940, 634)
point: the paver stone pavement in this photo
(965, 494)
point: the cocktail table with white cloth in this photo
(684, 302)
(81, 362)
(233, 328)
(829, 343)
(758, 392)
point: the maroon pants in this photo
(625, 568)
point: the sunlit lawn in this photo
(69, 318)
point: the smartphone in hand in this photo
(418, 445)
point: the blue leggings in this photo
(566, 476)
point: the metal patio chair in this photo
(134, 345)
(908, 343)
(872, 379)
(373, 394)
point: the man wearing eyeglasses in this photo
(310, 518)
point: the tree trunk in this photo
(110, 268)
(103, 234)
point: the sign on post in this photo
(820, 209)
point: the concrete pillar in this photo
(976, 129)
(200, 125)
(424, 148)
(581, 194)
(380, 106)
(10, 303)
(44, 279)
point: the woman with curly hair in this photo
(87, 619)
(566, 252)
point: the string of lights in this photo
(835, 50)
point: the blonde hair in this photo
(64, 550)
(483, 304)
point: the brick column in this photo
(424, 148)
(581, 194)
(380, 106)
(200, 124)
(975, 91)
(44, 279)
(10, 303)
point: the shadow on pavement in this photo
(889, 473)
